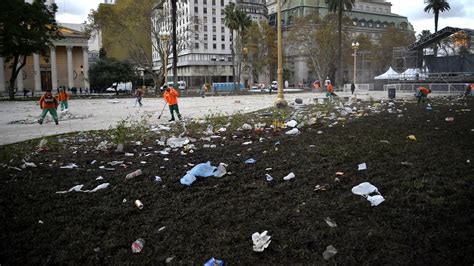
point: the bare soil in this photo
(426, 218)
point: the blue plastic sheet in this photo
(202, 170)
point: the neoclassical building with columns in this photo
(65, 64)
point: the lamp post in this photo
(355, 46)
(280, 101)
(165, 36)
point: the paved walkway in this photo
(104, 113)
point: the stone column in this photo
(70, 73)
(85, 66)
(37, 72)
(3, 87)
(54, 69)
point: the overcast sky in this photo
(460, 15)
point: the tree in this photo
(104, 73)
(231, 22)
(339, 6)
(262, 48)
(383, 52)
(316, 39)
(26, 29)
(244, 22)
(436, 6)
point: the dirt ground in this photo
(426, 218)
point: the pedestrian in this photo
(422, 94)
(171, 97)
(330, 90)
(139, 95)
(353, 87)
(63, 97)
(48, 103)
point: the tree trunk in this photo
(233, 58)
(435, 48)
(339, 71)
(175, 52)
(15, 71)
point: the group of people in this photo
(49, 103)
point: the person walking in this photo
(422, 94)
(48, 103)
(171, 97)
(139, 95)
(63, 97)
(353, 87)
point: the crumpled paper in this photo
(260, 241)
(365, 189)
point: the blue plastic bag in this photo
(214, 262)
(202, 170)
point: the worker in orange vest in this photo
(330, 90)
(63, 97)
(171, 97)
(49, 104)
(422, 94)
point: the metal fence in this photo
(359, 87)
(434, 87)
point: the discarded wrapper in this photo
(260, 241)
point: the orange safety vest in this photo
(171, 96)
(48, 101)
(424, 90)
(63, 96)
(330, 88)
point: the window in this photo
(213, 2)
(223, 38)
(196, 36)
(214, 37)
(223, 46)
(205, 19)
(204, 10)
(195, 1)
(205, 27)
(214, 46)
(213, 11)
(222, 21)
(214, 29)
(196, 27)
(214, 20)
(222, 29)
(204, 2)
(196, 9)
(196, 45)
(205, 37)
(222, 2)
(205, 45)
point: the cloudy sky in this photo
(461, 13)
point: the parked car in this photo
(181, 85)
(121, 87)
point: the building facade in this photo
(368, 17)
(204, 40)
(65, 64)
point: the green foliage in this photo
(25, 29)
(131, 129)
(436, 6)
(105, 72)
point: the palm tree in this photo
(175, 52)
(231, 22)
(437, 6)
(339, 6)
(244, 22)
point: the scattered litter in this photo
(289, 176)
(106, 168)
(134, 174)
(449, 119)
(247, 143)
(27, 164)
(291, 123)
(214, 262)
(362, 166)
(169, 259)
(94, 161)
(158, 179)
(411, 137)
(329, 252)
(339, 173)
(127, 154)
(113, 101)
(202, 170)
(99, 178)
(139, 204)
(103, 145)
(246, 127)
(40, 222)
(124, 200)
(319, 132)
(269, 177)
(250, 161)
(99, 187)
(337, 179)
(119, 147)
(406, 163)
(42, 144)
(365, 189)
(330, 222)
(222, 129)
(294, 131)
(385, 141)
(137, 246)
(322, 188)
(177, 142)
(260, 241)
(69, 166)
(113, 163)
(74, 188)
(268, 169)
(221, 171)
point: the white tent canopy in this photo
(390, 74)
(412, 74)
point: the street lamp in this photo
(280, 101)
(355, 46)
(165, 36)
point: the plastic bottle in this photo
(139, 204)
(137, 246)
(134, 174)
